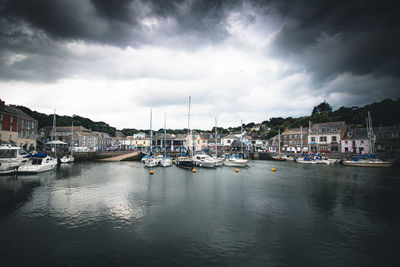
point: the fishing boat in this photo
(37, 163)
(165, 161)
(11, 157)
(187, 162)
(151, 161)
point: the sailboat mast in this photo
(301, 138)
(54, 132)
(216, 139)
(190, 131)
(241, 135)
(279, 141)
(72, 137)
(151, 116)
(165, 135)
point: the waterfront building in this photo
(387, 140)
(139, 135)
(195, 141)
(326, 137)
(227, 141)
(17, 127)
(293, 140)
(355, 140)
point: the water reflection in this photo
(299, 215)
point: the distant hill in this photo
(47, 120)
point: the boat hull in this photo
(230, 163)
(185, 164)
(368, 164)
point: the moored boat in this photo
(11, 157)
(368, 163)
(38, 163)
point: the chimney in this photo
(2, 104)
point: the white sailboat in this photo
(237, 161)
(151, 161)
(279, 157)
(218, 161)
(70, 158)
(165, 161)
(371, 161)
(187, 162)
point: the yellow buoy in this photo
(194, 170)
(236, 170)
(151, 172)
(273, 169)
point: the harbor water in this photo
(117, 214)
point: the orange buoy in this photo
(151, 172)
(236, 170)
(194, 170)
(273, 169)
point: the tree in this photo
(324, 107)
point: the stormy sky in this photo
(239, 60)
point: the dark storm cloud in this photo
(324, 38)
(333, 37)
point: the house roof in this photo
(354, 133)
(17, 112)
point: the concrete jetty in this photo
(122, 157)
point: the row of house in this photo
(81, 138)
(336, 137)
(17, 127)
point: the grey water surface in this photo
(117, 214)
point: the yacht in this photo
(70, 158)
(37, 163)
(67, 159)
(187, 162)
(165, 161)
(11, 157)
(151, 161)
(306, 160)
(236, 162)
(203, 160)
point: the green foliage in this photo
(47, 120)
(322, 108)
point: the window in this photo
(228, 141)
(33, 125)
(322, 138)
(395, 134)
(320, 131)
(350, 134)
(345, 142)
(11, 119)
(11, 128)
(1, 126)
(354, 143)
(334, 130)
(312, 139)
(22, 122)
(362, 141)
(334, 138)
(1, 117)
